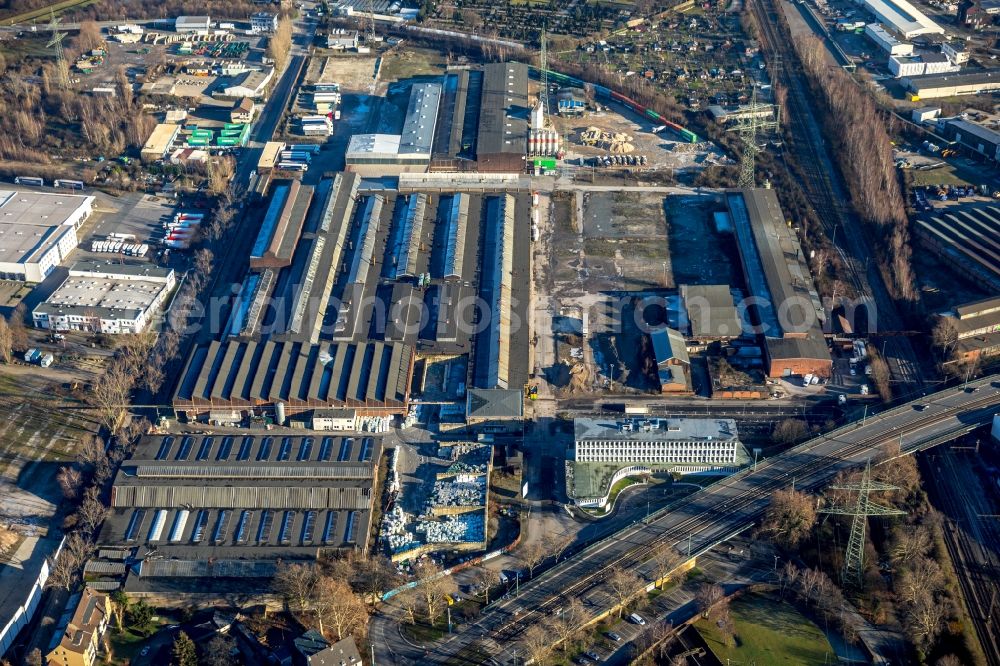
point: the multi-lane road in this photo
(710, 516)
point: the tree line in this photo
(863, 152)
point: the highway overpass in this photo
(702, 520)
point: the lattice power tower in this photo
(854, 558)
(56, 41)
(754, 119)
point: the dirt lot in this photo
(352, 72)
(698, 254)
(624, 237)
(35, 438)
(662, 150)
(399, 64)
(606, 250)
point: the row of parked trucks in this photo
(297, 157)
(120, 244)
(180, 231)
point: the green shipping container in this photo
(544, 162)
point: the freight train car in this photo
(608, 94)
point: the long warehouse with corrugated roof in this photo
(371, 377)
(233, 505)
(967, 238)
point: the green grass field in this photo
(946, 175)
(768, 631)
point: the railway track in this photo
(808, 474)
(975, 561)
(829, 197)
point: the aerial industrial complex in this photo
(359, 339)
(788, 308)
(388, 278)
(231, 506)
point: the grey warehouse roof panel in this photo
(421, 119)
(503, 119)
(494, 404)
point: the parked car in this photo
(637, 619)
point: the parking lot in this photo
(136, 214)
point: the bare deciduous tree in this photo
(338, 607)
(434, 587)
(487, 578)
(880, 375)
(218, 651)
(788, 577)
(92, 511)
(6, 342)
(707, 597)
(532, 554)
(558, 545)
(18, 331)
(945, 335)
(921, 574)
(91, 451)
(280, 43)
(70, 480)
(858, 132)
(625, 584)
(8, 538)
(666, 559)
(789, 431)
(409, 601)
(109, 394)
(538, 643)
(65, 571)
(296, 583)
(907, 542)
(378, 575)
(89, 37)
(789, 517)
(924, 618)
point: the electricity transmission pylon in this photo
(56, 41)
(753, 119)
(854, 557)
